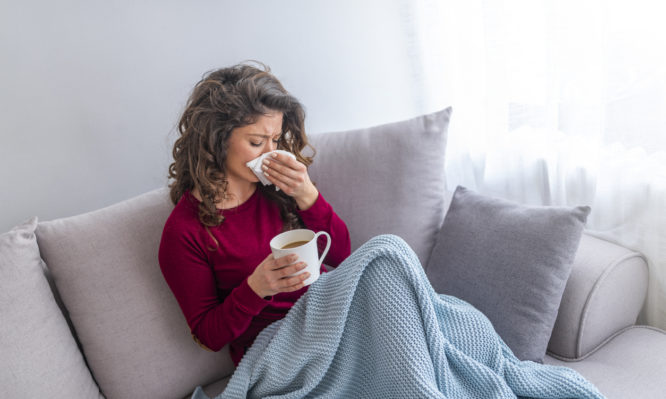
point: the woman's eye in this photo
(256, 144)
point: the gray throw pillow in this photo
(134, 336)
(39, 357)
(386, 179)
(510, 261)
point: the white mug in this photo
(306, 250)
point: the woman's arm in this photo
(214, 321)
(321, 216)
(292, 177)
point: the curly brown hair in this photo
(221, 101)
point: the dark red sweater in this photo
(211, 285)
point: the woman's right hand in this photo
(271, 276)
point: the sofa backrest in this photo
(132, 332)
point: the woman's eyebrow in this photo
(265, 136)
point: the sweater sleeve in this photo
(321, 217)
(213, 321)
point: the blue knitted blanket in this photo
(375, 328)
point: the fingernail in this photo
(274, 155)
(266, 162)
(264, 167)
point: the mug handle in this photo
(328, 245)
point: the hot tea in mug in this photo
(302, 242)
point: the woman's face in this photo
(250, 141)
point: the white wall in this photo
(91, 91)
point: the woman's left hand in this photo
(291, 176)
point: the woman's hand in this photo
(272, 276)
(291, 176)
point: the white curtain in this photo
(560, 102)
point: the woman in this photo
(374, 328)
(214, 252)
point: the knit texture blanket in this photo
(375, 328)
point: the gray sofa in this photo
(86, 312)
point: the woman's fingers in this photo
(278, 182)
(285, 184)
(273, 276)
(290, 171)
(286, 281)
(288, 161)
(284, 261)
(285, 169)
(291, 176)
(291, 182)
(289, 270)
(294, 283)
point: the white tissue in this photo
(255, 166)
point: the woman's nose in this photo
(270, 146)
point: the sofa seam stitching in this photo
(595, 288)
(607, 340)
(604, 342)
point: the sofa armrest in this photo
(604, 294)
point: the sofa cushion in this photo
(510, 261)
(386, 179)
(630, 365)
(133, 334)
(38, 351)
